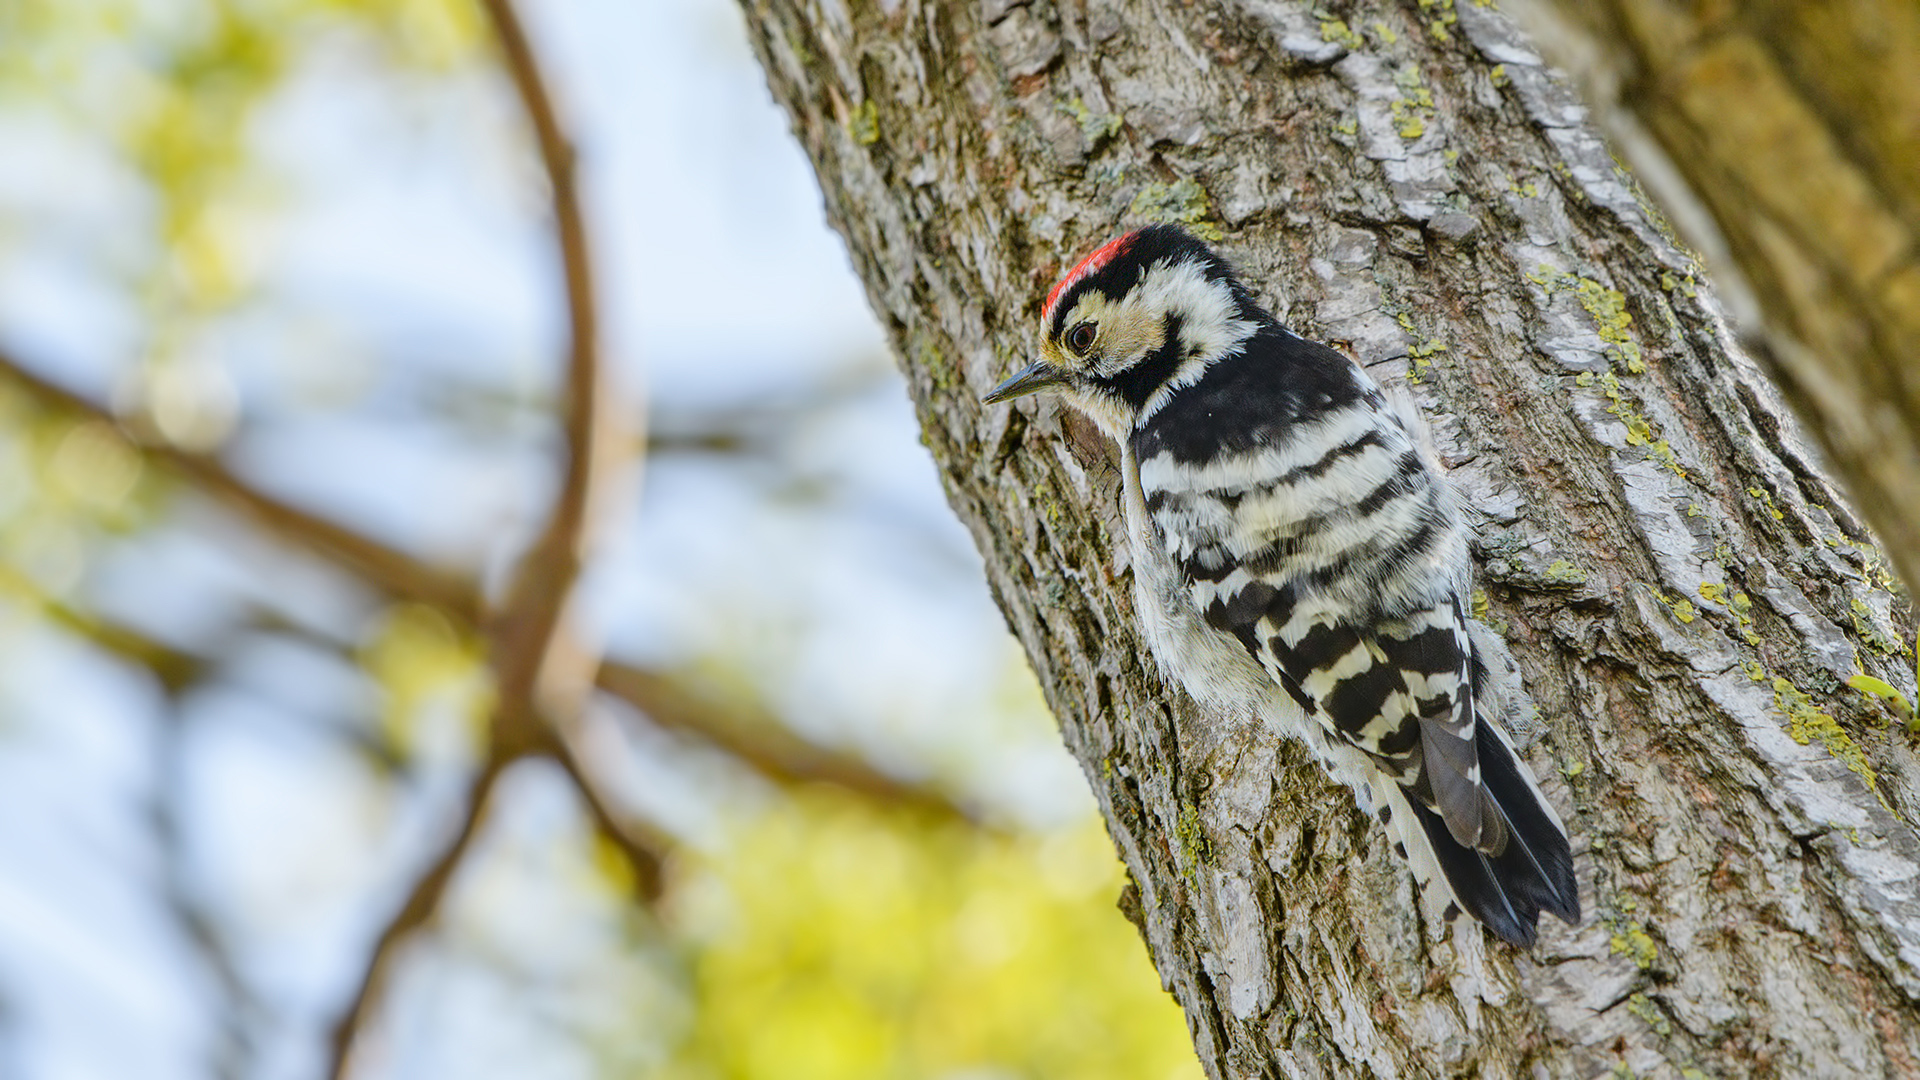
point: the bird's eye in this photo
(1080, 338)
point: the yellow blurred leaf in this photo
(854, 945)
(427, 674)
(93, 465)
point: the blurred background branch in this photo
(538, 687)
(423, 899)
(742, 728)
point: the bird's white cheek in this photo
(1114, 418)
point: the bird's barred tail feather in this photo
(1507, 890)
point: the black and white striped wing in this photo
(1399, 691)
(1315, 557)
(1298, 519)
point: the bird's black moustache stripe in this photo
(1137, 383)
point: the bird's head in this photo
(1143, 315)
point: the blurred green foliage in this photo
(831, 941)
(172, 91)
(67, 486)
(432, 678)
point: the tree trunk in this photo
(1793, 128)
(1684, 590)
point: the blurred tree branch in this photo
(423, 900)
(386, 569)
(542, 675)
(176, 668)
(745, 730)
(634, 839)
(749, 731)
(524, 627)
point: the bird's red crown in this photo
(1087, 267)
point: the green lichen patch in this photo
(1876, 571)
(1420, 354)
(1096, 127)
(1681, 607)
(1182, 202)
(1338, 32)
(1766, 499)
(1569, 182)
(1414, 105)
(1607, 307)
(1630, 938)
(1738, 604)
(1441, 18)
(1611, 320)
(1684, 287)
(863, 123)
(1865, 624)
(1640, 430)
(1640, 433)
(1192, 836)
(1643, 1007)
(1525, 572)
(1051, 508)
(1807, 723)
(930, 358)
(1563, 573)
(1482, 607)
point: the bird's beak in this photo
(1035, 377)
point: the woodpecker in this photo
(1298, 558)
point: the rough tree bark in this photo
(1683, 588)
(1795, 129)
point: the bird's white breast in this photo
(1214, 668)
